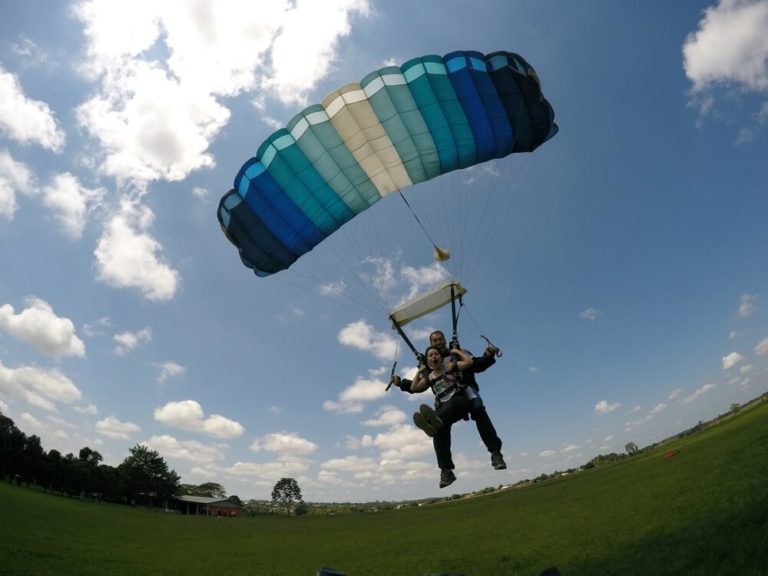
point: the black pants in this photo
(451, 412)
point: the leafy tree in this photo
(286, 492)
(209, 489)
(144, 472)
(12, 442)
(632, 448)
(32, 460)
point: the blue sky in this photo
(618, 267)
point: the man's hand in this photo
(491, 351)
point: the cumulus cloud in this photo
(363, 336)
(71, 203)
(591, 314)
(127, 256)
(114, 428)
(188, 415)
(387, 416)
(40, 388)
(730, 46)
(604, 407)
(40, 327)
(25, 120)
(284, 444)
(15, 178)
(400, 442)
(698, 393)
(729, 52)
(352, 399)
(126, 342)
(748, 305)
(732, 360)
(155, 116)
(169, 370)
(419, 279)
(762, 348)
(188, 450)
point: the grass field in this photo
(702, 512)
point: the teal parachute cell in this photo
(397, 127)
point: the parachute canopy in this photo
(397, 127)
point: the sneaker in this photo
(431, 416)
(422, 424)
(497, 461)
(427, 421)
(447, 477)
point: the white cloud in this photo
(400, 443)
(762, 348)
(352, 399)
(732, 360)
(362, 336)
(151, 127)
(90, 409)
(38, 326)
(25, 120)
(284, 444)
(316, 26)
(701, 391)
(154, 116)
(336, 288)
(603, 407)
(15, 178)
(748, 305)
(188, 415)
(189, 450)
(114, 428)
(547, 454)
(129, 341)
(424, 277)
(71, 202)
(591, 314)
(169, 370)
(40, 388)
(387, 416)
(730, 46)
(674, 394)
(127, 256)
(269, 472)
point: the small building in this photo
(205, 506)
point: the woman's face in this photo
(434, 358)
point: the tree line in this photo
(142, 478)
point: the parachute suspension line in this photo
(480, 330)
(441, 254)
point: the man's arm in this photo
(403, 383)
(485, 361)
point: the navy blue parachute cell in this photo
(395, 128)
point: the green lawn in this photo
(702, 512)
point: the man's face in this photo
(437, 339)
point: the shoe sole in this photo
(423, 425)
(451, 481)
(431, 417)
